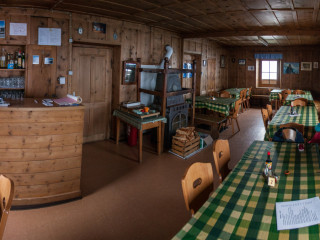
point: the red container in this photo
(132, 135)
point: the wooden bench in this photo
(215, 123)
(259, 100)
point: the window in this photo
(269, 73)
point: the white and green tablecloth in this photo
(235, 92)
(221, 105)
(307, 116)
(293, 97)
(243, 206)
(274, 94)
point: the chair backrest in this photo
(221, 157)
(300, 102)
(297, 126)
(298, 92)
(236, 108)
(265, 118)
(285, 94)
(269, 109)
(6, 196)
(225, 94)
(197, 184)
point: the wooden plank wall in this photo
(208, 50)
(239, 76)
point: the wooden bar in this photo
(41, 151)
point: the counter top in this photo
(32, 103)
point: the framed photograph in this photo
(250, 68)
(2, 29)
(222, 61)
(315, 64)
(99, 27)
(242, 62)
(290, 68)
(306, 66)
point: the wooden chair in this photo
(300, 102)
(285, 94)
(248, 97)
(298, 92)
(221, 157)
(234, 116)
(297, 126)
(269, 109)
(197, 184)
(265, 118)
(279, 102)
(243, 95)
(225, 94)
(6, 195)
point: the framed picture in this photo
(306, 66)
(242, 62)
(250, 68)
(222, 61)
(315, 64)
(290, 68)
(99, 27)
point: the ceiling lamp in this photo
(264, 42)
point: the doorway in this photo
(92, 80)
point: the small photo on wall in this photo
(315, 64)
(290, 68)
(242, 62)
(306, 66)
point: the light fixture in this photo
(264, 42)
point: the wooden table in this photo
(243, 207)
(307, 116)
(141, 124)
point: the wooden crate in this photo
(185, 148)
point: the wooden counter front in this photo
(41, 151)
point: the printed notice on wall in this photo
(49, 36)
(298, 214)
(35, 59)
(18, 29)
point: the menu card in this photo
(298, 214)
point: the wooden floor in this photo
(123, 199)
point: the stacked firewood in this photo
(185, 134)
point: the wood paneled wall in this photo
(239, 76)
(208, 50)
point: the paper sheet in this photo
(298, 214)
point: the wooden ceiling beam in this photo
(56, 4)
(279, 32)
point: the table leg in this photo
(117, 129)
(140, 146)
(159, 139)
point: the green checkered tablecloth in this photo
(235, 92)
(137, 122)
(274, 94)
(221, 105)
(307, 116)
(243, 206)
(293, 97)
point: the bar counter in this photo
(41, 150)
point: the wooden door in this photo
(42, 74)
(211, 65)
(92, 80)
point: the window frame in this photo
(259, 77)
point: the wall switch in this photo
(70, 73)
(70, 40)
(62, 80)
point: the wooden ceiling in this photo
(230, 22)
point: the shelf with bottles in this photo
(12, 57)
